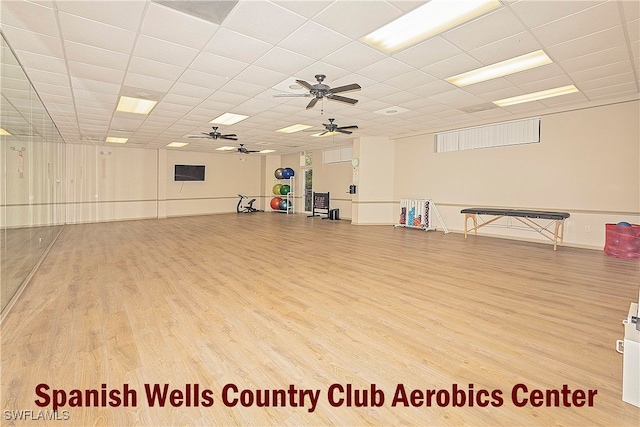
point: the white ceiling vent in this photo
(212, 11)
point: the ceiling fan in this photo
(332, 127)
(320, 90)
(241, 149)
(216, 135)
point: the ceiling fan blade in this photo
(346, 88)
(342, 99)
(326, 131)
(312, 103)
(291, 95)
(196, 136)
(231, 137)
(348, 127)
(348, 132)
(304, 84)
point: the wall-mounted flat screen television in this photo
(189, 173)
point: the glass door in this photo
(307, 189)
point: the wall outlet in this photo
(587, 228)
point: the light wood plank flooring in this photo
(267, 300)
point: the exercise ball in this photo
(285, 189)
(624, 224)
(278, 173)
(277, 188)
(284, 205)
(275, 203)
(287, 173)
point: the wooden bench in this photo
(527, 217)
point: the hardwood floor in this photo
(270, 301)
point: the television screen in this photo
(189, 173)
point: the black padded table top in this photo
(517, 212)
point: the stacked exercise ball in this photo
(275, 203)
(287, 173)
(278, 203)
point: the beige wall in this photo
(110, 183)
(374, 201)
(586, 164)
(118, 183)
(227, 175)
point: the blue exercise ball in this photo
(287, 173)
(624, 224)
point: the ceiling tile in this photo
(581, 46)
(354, 56)
(249, 18)
(506, 48)
(176, 27)
(385, 69)
(428, 52)
(34, 42)
(487, 29)
(205, 80)
(314, 40)
(123, 14)
(534, 15)
(597, 18)
(452, 66)
(339, 16)
(218, 65)
(29, 16)
(237, 46)
(93, 33)
(164, 51)
(95, 56)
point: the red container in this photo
(622, 241)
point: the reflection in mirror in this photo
(31, 185)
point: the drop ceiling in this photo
(81, 56)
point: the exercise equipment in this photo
(284, 204)
(623, 224)
(320, 204)
(284, 189)
(526, 217)
(417, 213)
(275, 203)
(248, 208)
(276, 189)
(287, 173)
(278, 173)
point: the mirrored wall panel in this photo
(32, 157)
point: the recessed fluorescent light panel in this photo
(4, 132)
(135, 105)
(427, 21)
(228, 119)
(294, 128)
(116, 140)
(500, 69)
(177, 144)
(225, 148)
(564, 90)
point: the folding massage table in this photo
(527, 217)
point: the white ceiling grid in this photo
(82, 55)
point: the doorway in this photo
(307, 189)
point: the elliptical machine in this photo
(248, 208)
